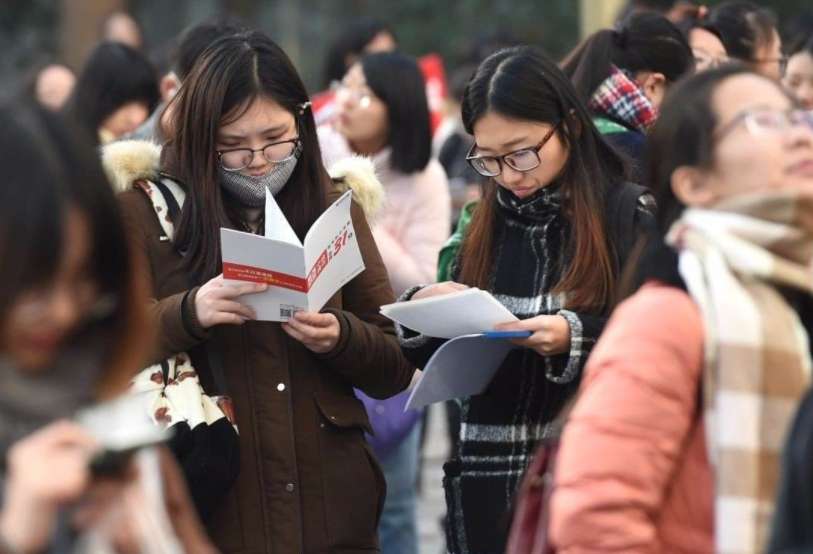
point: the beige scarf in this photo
(734, 259)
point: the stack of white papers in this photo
(466, 364)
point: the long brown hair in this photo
(523, 84)
(49, 170)
(231, 74)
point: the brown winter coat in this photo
(308, 481)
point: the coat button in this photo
(333, 418)
(281, 387)
(289, 487)
(379, 409)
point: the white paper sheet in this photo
(276, 224)
(467, 312)
(462, 367)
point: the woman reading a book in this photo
(243, 126)
(555, 224)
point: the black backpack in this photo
(622, 202)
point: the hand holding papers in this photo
(301, 277)
(465, 365)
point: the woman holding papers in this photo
(674, 444)
(308, 480)
(556, 222)
(382, 112)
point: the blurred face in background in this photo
(798, 79)
(762, 143)
(769, 59)
(126, 119)
(360, 115)
(708, 49)
(54, 85)
(43, 318)
(382, 42)
(121, 27)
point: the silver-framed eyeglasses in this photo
(759, 122)
(236, 159)
(524, 159)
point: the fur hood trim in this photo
(357, 173)
(128, 161)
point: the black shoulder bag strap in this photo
(213, 353)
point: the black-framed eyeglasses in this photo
(524, 159)
(235, 159)
(759, 122)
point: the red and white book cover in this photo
(302, 277)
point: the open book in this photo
(302, 277)
(465, 365)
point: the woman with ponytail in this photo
(622, 76)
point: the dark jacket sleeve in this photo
(367, 355)
(167, 316)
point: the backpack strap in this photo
(622, 202)
(167, 199)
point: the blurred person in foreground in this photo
(674, 443)
(72, 333)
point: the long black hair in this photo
(48, 170)
(233, 72)
(646, 42)
(397, 80)
(523, 84)
(113, 76)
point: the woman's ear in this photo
(690, 187)
(653, 86)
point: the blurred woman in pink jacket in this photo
(673, 445)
